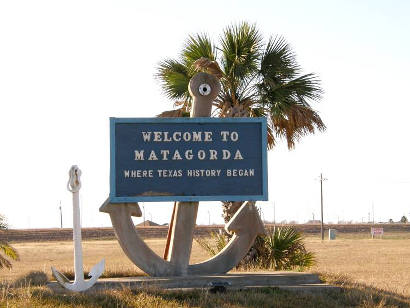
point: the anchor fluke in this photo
(245, 219)
(97, 269)
(79, 283)
(133, 208)
(61, 278)
(246, 225)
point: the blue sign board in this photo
(188, 159)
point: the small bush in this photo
(213, 245)
(282, 249)
(279, 249)
(33, 278)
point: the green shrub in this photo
(33, 278)
(213, 245)
(280, 248)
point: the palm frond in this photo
(280, 249)
(296, 121)
(213, 245)
(174, 77)
(240, 46)
(289, 109)
(3, 222)
(4, 263)
(9, 252)
(256, 80)
(303, 88)
(278, 62)
(196, 47)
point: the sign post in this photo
(376, 231)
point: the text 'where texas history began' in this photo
(188, 159)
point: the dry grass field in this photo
(41, 256)
(376, 272)
(379, 263)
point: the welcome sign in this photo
(188, 159)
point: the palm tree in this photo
(258, 79)
(5, 248)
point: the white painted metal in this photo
(79, 284)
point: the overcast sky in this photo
(67, 66)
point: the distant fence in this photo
(66, 234)
(43, 235)
(349, 228)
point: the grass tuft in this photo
(33, 278)
(108, 273)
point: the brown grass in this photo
(42, 255)
(380, 263)
(261, 297)
(374, 273)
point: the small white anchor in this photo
(79, 283)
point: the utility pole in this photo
(373, 211)
(143, 208)
(209, 218)
(61, 216)
(321, 206)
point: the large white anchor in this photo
(245, 224)
(79, 283)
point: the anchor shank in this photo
(182, 234)
(204, 88)
(78, 251)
